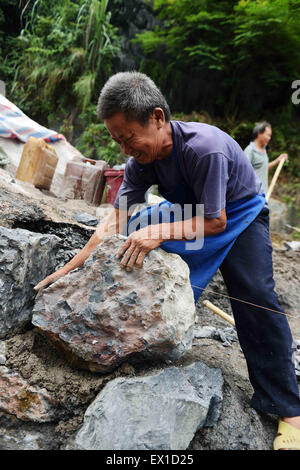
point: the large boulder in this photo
(101, 315)
(25, 258)
(160, 411)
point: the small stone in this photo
(86, 219)
(205, 332)
(2, 352)
(294, 245)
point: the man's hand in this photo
(282, 156)
(137, 245)
(74, 263)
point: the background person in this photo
(257, 153)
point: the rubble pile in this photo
(87, 361)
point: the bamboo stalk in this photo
(219, 312)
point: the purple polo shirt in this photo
(210, 161)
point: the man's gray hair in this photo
(132, 93)
(259, 128)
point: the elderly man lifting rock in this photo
(198, 165)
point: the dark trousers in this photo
(264, 336)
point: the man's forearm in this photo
(115, 223)
(84, 253)
(140, 242)
(190, 229)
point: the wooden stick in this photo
(219, 312)
(274, 179)
(294, 228)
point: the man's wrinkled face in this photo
(143, 142)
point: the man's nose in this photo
(126, 148)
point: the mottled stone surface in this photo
(160, 411)
(296, 356)
(2, 352)
(18, 441)
(26, 402)
(102, 315)
(25, 258)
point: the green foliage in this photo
(192, 33)
(99, 48)
(244, 53)
(65, 55)
(95, 141)
(272, 30)
(266, 45)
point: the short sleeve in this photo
(249, 154)
(133, 187)
(213, 171)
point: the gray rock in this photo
(280, 215)
(294, 246)
(2, 352)
(19, 441)
(17, 211)
(226, 335)
(205, 332)
(101, 315)
(21, 435)
(161, 411)
(239, 426)
(296, 356)
(86, 219)
(25, 258)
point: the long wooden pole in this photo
(219, 312)
(274, 179)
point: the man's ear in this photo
(158, 116)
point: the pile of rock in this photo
(101, 316)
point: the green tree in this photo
(266, 45)
(237, 56)
(12, 14)
(190, 45)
